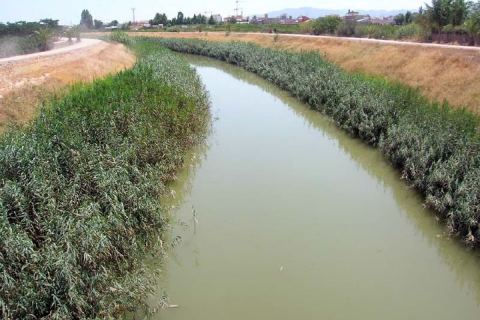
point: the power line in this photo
(133, 13)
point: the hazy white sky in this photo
(68, 11)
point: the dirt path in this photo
(441, 72)
(84, 43)
(377, 41)
(26, 80)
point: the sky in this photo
(68, 11)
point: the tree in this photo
(408, 17)
(98, 24)
(44, 38)
(438, 13)
(180, 18)
(446, 12)
(459, 11)
(50, 23)
(113, 23)
(159, 19)
(211, 21)
(400, 19)
(328, 24)
(472, 23)
(86, 19)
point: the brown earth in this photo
(440, 72)
(26, 83)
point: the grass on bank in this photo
(436, 148)
(80, 188)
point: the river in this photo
(283, 216)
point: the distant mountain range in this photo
(315, 12)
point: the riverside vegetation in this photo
(80, 188)
(436, 148)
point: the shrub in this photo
(80, 188)
(410, 31)
(346, 29)
(375, 31)
(121, 37)
(436, 149)
(326, 25)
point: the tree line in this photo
(180, 19)
(440, 17)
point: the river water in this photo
(283, 216)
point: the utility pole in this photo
(133, 13)
(237, 8)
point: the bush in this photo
(80, 188)
(326, 25)
(410, 31)
(346, 29)
(436, 149)
(121, 37)
(375, 31)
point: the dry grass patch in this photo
(25, 84)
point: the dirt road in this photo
(26, 80)
(377, 41)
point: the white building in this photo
(217, 18)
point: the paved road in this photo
(76, 46)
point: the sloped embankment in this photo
(27, 82)
(80, 188)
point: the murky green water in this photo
(296, 220)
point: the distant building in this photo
(383, 21)
(238, 19)
(354, 16)
(303, 19)
(137, 25)
(283, 19)
(217, 18)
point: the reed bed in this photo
(436, 148)
(80, 189)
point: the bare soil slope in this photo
(440, 72)
(24, 83)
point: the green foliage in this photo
(410, 31)
(326, 25)
(27, 37)
(159, 19)
(436, 149)
(44, 39)
(121, 37)
(211, 21)
(24, 29)
(376, 31)
(98, 24)
(80, 190)
(346, 28)
(472, 24)
(444, 12)
(86, 19)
